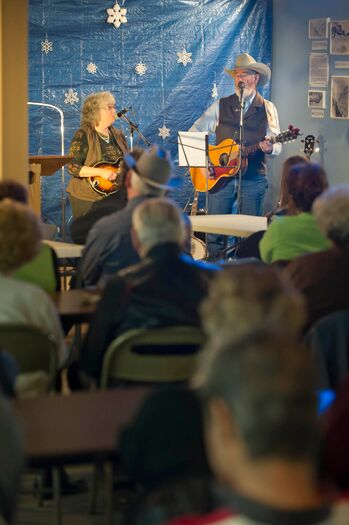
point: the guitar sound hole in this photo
(223, 159)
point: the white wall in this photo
(290, 68)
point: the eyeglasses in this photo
(243, 75)
(109, 107)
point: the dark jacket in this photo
(165, 289)
(81, 225)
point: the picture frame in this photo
(339, 37)
(316, 98)
(339, 97)
(318, 27)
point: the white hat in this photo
(245, 61)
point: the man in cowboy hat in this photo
(108, 246)
(260, 120)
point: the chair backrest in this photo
(328, 340)
(153, 355)
(32, 349)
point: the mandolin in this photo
(104, 186)
(224, 160)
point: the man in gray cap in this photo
(260, 120)
(108, 247)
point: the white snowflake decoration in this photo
(46, 46)
(141, 69)
(184, 57)
(214, 92)
(116, 15)
(91, 68)
(164, 132)
(71, 97)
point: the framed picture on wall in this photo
(316, 98)
(339, 41)
(339, 97)
(318, 27)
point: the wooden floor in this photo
(75, 508)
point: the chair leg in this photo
(56, 485)
(108, 477)
(94, 488)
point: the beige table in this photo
(238, 225)
(65, 250)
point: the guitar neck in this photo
(251, 149)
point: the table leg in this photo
(108, 480)
(56, 485)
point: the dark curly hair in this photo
(305, 182)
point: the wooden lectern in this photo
(43, 166)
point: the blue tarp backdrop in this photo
(166, 61)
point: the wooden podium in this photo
(43, 166)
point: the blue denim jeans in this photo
(224, 201)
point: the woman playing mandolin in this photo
(98, 149)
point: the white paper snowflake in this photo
(46, 46)
(141, 69)
(116, 15)
(214, 92)
(91, 68)
(71, 97)
(164, 132)
(184, 57)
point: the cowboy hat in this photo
(154, 167)
(245, 61)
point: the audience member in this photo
(164, 289)
(249, 297)
(293, 160)
(108, 247)
(11, 461)
(43, 268)
(249, 247)
(323, 277)
(23, 302)
(81, 225)
(163, 451)
(297, 232)
(262, 434)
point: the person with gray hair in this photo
(164, 289)
(323, 277)
(262, 434)
(108, 246)
(95, 141)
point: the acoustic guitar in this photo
(224, 160)
(104, 186)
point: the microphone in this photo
(122, 112)
(241, 85)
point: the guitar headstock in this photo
(289, 135)
(309, 145)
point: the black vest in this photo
(255, 126)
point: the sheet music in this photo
(191, 148)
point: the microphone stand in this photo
(133, 128)
(241, 86)
(241, 141)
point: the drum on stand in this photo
(198, 249)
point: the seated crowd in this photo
(242, 440)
